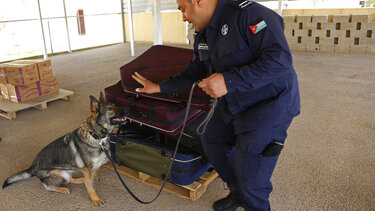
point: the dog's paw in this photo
(99, 202)
(62, 190)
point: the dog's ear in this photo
(101, 98)
(94, 106)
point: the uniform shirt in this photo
(245, 42)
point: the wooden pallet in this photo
(193, 191)
(8, 109)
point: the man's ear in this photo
(94, 106)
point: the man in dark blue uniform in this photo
(241, 54)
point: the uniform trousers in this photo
(238, 158)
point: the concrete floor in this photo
(328, 162)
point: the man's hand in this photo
(148, 86)
(214, 85)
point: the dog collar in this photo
(94, 136)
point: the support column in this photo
(156, 20)
(41, 26)
(280, 7)
(130, 15)
(123, 22)
(67, 28)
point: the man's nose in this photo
(184, 17)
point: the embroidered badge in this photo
(203, 46)
(258, 26)
(224, 29)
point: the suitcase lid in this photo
(157, 64)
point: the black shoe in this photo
(229, 203)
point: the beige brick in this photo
(349, 26)
(369, 41)
(289, 18)
(291, 25)
(292, 40)
(303, 18)
(365, 26)
(288, 32)
(370, 49)
(341, 18)
(309, 26)
(328, 26)
(327, 48)
(312, 47)
(301, 33)
(346, 41)
(358, 49)
(342, 49)
(326, 41)
(371, 26)
(320, 18)
(308, 40)
(359, 33)
(289, 36)
(298, 47)
(338, 33)
(319, 33)
(364, 18)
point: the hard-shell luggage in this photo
(162, 116)
(148, 155)
(157, 64)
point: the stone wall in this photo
(337, 33)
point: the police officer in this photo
(241, 54)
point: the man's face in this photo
(192, 13)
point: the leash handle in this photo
(207, 119)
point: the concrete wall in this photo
(173, 28)
(333, 30)
(331, 12)
(344, 33)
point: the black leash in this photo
(175, 151)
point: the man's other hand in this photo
(214, 85)
(148, 86)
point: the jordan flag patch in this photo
(258, 26)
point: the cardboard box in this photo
(4, 91)
(20, 74)
(44, 67)
(49, 85)
(21, 93)
(3, 76)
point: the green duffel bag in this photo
(153, 158)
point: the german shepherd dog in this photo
(77, 151)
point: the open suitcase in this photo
(166, 61)
(163, 116)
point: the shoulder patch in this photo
(240, 4)
(258, 25)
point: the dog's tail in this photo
(23, 175)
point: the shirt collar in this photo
(215, 20)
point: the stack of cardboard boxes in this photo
(27, 79)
